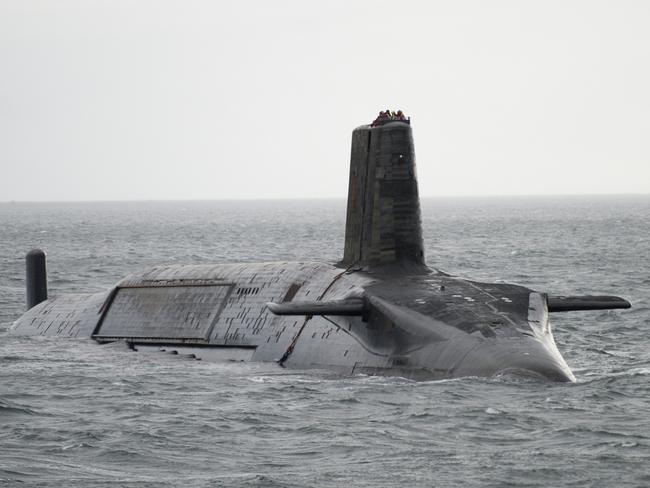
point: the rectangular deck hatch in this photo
(180, 312)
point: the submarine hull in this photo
(220, 313)
(379, 311)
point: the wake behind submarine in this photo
(379, 311)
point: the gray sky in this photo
(112, 100)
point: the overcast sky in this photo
(122, 100)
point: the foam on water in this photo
(74, 413)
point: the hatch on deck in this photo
(179, 312)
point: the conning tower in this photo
(383, 223)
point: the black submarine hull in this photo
(381, 310)
(220, 313)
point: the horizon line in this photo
(279, 199)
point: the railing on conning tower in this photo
(388, 116)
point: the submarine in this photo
(379, 311)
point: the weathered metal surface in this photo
(357, 188)
(380, 311)
(419, 324)
(383, 217)
(172, 312)
(222, 306)
(66, 315)
(425, 325)
(35, 277)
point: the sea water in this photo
(77, 414)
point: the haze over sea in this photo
(77, 414)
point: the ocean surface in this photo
(77, 414)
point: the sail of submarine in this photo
(380, 310)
